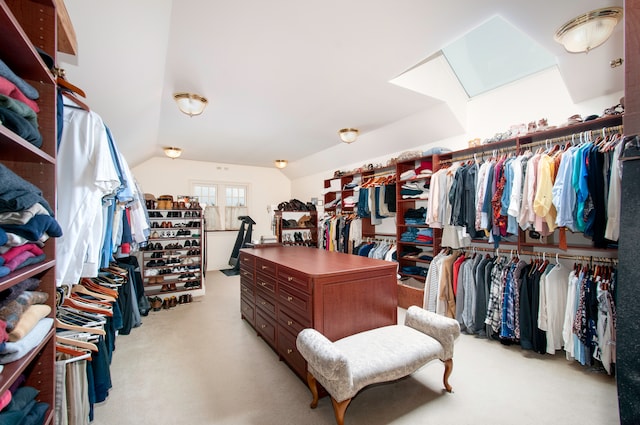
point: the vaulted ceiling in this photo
(282, 76)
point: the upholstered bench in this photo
(347, 365)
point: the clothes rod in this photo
(574, 137)
(588, 258)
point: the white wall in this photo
(543, 95)
(267, 186)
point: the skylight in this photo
(494, 54)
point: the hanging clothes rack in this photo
(574, 137)
(587, 258)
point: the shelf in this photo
(27, 65)
(415, 276)
(154, 292)
(414, 259)
(15, 148)
(24, 273)
(14, 369)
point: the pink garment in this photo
(13, 252)
(19, 259)
(5, 399)
(7, 88)
(4, 336)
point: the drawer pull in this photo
(245, 273)
(263, 283)
(245, 290)
(289, 299)
(289, 323)
(263, 302)
(264, 267)
(263, 326)
(289, 351)
(290, 278)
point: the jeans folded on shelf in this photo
(414, 270)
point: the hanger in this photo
(77, 343)
(77, 354)
(90, 300)
(74, 99)
(81, 318)
(70, 87)
(63, 325)
(81, 289)
(85, 306)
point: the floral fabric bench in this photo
(385, 354)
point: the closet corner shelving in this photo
(173, 234)
(26, 23)
(301, 234)
(337, 188)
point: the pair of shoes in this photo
(169, 302)
(192, 284)
(174, 214)
(156, 280)
(182, 232)
(185, 299)
(156, 303)
(195, 243)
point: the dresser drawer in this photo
(289, 353)
(247, 291)
(266, 328)
(266, 283)
(266, 303)
(294, 300)
(294, 278)
(291, 321)
(246, 274)
(247, 311)
(247, 260)
(266, 267)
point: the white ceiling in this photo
(282, 76)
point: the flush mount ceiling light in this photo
(588, 31)
(172, 152)
(281, 163)
(348, 135)
(190, 103)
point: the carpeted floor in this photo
(200, 364)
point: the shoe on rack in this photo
(165, 288)
(156, 303)
(173, 301)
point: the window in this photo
(223, 203)
(206, 193)
(236, 196)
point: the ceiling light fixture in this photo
(348, 135)
(172, 152)
(281, 163)
(190, 103)
(588, 31)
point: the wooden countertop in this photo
(317, 262)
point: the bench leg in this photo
(448, 368)
(311, 381)
(339, 408)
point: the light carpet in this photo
(200, 364)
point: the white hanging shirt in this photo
(85, 174)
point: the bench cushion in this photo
(386, 354)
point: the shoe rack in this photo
(24, 24)
(297, 228)
(172, 261)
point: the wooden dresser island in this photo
(287, 289)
